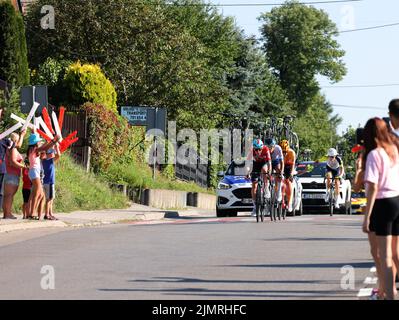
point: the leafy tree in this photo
(13, 51)
(300, 44)
(345, 144)
(315, 128)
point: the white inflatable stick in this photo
(15, 127)
(41, 123)
(30, 116)
(56, 125)
(15, 117)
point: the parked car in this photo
(359, 201)
(312, 174)
(234, 192)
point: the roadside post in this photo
(149, 117)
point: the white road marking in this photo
(371, 280)
(365, 292)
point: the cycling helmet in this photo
(284, 144)
(258, 144)
(332, 152)
(270, 142)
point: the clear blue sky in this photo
(372, 56)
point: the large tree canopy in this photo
(300, 44)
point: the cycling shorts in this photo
(287, 172)
(334, 172)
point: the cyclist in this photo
(289, 166)
(260, 155)
(335, 170)
(277, 164)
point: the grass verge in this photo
(77, 190)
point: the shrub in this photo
(113, 140)
(87, 83)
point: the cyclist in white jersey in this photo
(335, 169)
(277, 163)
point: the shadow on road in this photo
(243, 293)
(195, 280)
(304, 265)
(316, 239)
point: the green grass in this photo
(77, 190)
(140, 175)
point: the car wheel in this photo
(300, 211)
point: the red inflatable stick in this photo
(61, 117)
(65, 143)
(45, 136)
(47, 120)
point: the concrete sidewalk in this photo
(101, 217)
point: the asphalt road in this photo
(189, 258)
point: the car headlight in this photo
(223, 186)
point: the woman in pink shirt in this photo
(14, 165)
(381, 157)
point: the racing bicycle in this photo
(262, 203)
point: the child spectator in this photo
(33, 154)
(48, 164)
(26, 190)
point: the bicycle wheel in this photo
(279, 210)
(258, 202)
(331, 202)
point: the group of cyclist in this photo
(279, 160)
(269, 158)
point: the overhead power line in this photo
(371, 28)
(358, 107)
(362, 86)
(260, 4)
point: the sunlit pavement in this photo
(195, 257)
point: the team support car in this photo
(312, 174)
(234, 192)
(359, 201)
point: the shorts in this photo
(11, 179)
(384, 220)
(26, 195)
(49, 191)
(257, 169)
(34, 174)
(276, 163)
(334, 172)
(287, 172)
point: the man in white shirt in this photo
(394, 116)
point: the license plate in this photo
(246, 201)
(313, 196)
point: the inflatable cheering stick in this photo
(47, 120)
(66, 142)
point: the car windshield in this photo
(237, 168)
(357, 195)
(308, 170)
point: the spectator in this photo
(394, 116)
(14, 165)
(48, 163)
(26, 189)
(381, 158)
(5, 144)
(358, 185)
(33, 154)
